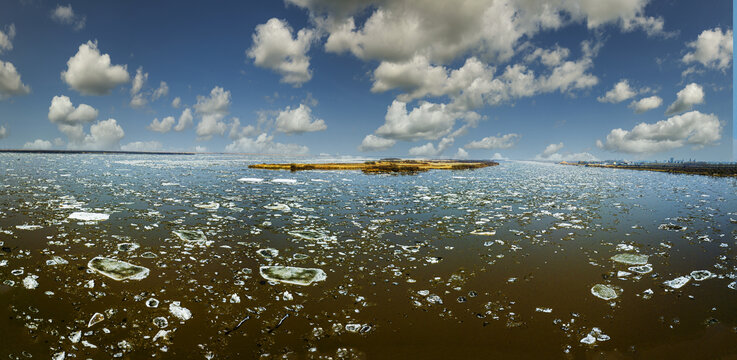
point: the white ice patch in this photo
(678, 282)
(87, 216)
(181, 313)
(28, 227)
(284, 181)
(251, 180)
(29, 282)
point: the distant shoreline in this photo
(24, 151)
(719, 170)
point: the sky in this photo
(478, 79)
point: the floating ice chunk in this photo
(284, 181)
(169, 184)
(250, 180)
(160, 322)
(235, 299)
(181, 313)
(196, 237)
(76, 336)
(484, 233)
(30, 282)
(209, 206)
(544, 310)
(595, 335)
(117, 269)
(630, 259)
(588, 340)
(161, 334)
(432, 259)
(672, 227)
(678, 282)
(411, 248)
(647, 294)
(268, 253)
(308, 234)
(287, 296)
(642, 269)
(625, 247)
(61, 355)
(278, 206)
(300, 256)
(292, 275)
(621, 274)
(354, 328)
(701, 275)
(152, 303)
(28, 227)
(96, 318)
(148, 255)
(128, 246)
(434, 299)
(88, 216)
(604, 292)
(732, 285)
(423, 292)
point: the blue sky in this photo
(559, 80)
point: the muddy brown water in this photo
(524, 292)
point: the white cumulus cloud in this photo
(65, 15)
(185, 120)
(10, 82)
(63, 112)
(264, 144)
(38, 144)
(493, 142)
(275, 48)
(6, 38)
(298, 120)
(621, 92)
(428, 121)
(92, 73)
(691, 128)
(689, 96)
(212, 109)
(176, 102)
(645, 104)
(713, 49)
(3, 132)
(162, 126)
(374, 143)
(552, 153)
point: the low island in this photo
(384, 166)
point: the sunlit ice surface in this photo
(131, 256)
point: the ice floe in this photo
(209, 206)
(117, 269)
(678, 282)
(630, 259)
(284, 181)
(250, 180)
(701, 275)
(292, 275)
(604, 292)
(88, 216)
(96, 318)
(195, 237)
(268, 253)
(180, 312)
(30, 282)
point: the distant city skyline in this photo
(510, 79)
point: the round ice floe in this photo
(604, 292)
(160, 322)
(181, 313)
(642, 269)
(268, 253)
(701, 275)
(152, 303)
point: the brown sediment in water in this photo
(383, 166)
(693, 169)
